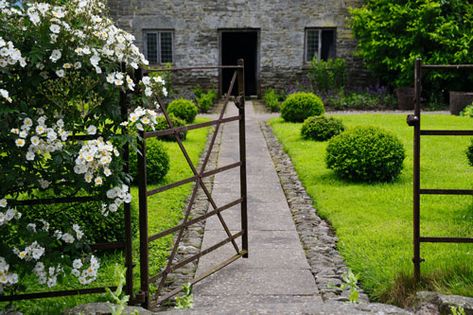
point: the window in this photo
(159, 46)
(319, 44)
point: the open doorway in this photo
(237, 44)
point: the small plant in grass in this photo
(469, 153)
(183, 109)
(457, 310)
(350, 282)
(157, 162)
(367, 154)
(321, 128)
(162, 124)
(186, 300)
(119, 300)
(301, 105)
(272, 100)
(467, 111)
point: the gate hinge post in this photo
(138, 298)
(412, 120)
(421, 260)
(239, 101)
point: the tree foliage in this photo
(392, 34)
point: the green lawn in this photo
(165, 211)
(374, 222)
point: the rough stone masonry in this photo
(281, 28)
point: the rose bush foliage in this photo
(62, 67)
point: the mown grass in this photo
(165, 211)
(374, 222)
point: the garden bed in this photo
(374, 221)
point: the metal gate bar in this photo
(197, 178)
(414, 121)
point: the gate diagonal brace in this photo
(194, 193)
(204, 164)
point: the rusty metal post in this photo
(143, 220)
(243, 185)
(416, 184)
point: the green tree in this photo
(392, 34)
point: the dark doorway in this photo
(236, 45)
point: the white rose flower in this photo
(94, 60)
(55, 55)
(60, 73)
(107, 172)
(37, 253)
(31, 227)
(67, 238)
(113, 207)
(5, 95)
(91, 130)
(54, 28)
(88, 178)
(146, 80)
(30, 156)
(3, 203)
(98, 181)
(27, 122)
(77, 263)
(10, 214)
(40, 129)
(20, 142)
(34, 17)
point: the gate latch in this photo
(412, 120)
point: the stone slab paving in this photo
(276, 270)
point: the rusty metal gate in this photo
(197, 179)
(415, 121)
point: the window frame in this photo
(158, 33)
(319, 51)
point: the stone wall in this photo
(281, 25)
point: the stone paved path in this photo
(276, 270)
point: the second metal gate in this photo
(415, 121)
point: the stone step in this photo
(298, 308)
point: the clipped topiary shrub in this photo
(183, 109)
(162, 124)
(321, 128)
(469, 153)
(157, 162)
(367, 154)
(300, 105)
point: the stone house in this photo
(276, 38)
